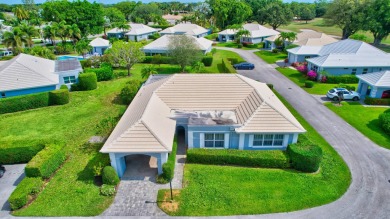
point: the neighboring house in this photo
(118, 33)
(257, 34)
(342, 57)
(27, 74)
(140, 32)
(304, 38)
(374, 85)
(160, 46)
(172, 19)
(99, 45)
(214, 111)
(186, 28)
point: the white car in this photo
(333, 94)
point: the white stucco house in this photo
(257, 34)
(212, 110)
(139, 32)
(27, 74)
(342, 57)
(160, 46)
(99, 45)
(117, 33)
(186, 28)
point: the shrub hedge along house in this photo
(214, 110)
(27, 74)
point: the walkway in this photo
(137, 191)
(369, 193)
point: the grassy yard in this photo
(233, 45)
(216, 66)
(298, 78)
(270, 57)
(228, 190)
(71, 191)
(364, 119)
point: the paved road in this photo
(13, 175)
(369, 193)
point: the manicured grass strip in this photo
(226, 190)
(364, 119)
(25, 191)
(217, 66)
(299, 79)
(270, 57)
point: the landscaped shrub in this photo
(109, 175)
(346, 79)
(207, 60)
(20, 151)
(275, 50)
(248, 158)
(309, 84)
(104, 73)
(147, 59)
(59, 97)
(87, 81)
(302, 69)
(233, 61)
(107, 190)
(376, 101)
(25, 102)
(64, 87)
(26, 189)
(46, 162)
(227, 67)
(169, 167)
(154, 36)
(312, 75)
(212, 36)
(239, 45)
(384, 121)
(129, 91)
(305, 156)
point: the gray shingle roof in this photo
(379, 79)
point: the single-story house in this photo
(160, 45)
(27, 74)
(374, 85)
(257, 34)
(99, 45)
(139, 32)
(116, 32)
(212, 110)
(172, 19)
(186, 28)
(342, 57)
(304, 38)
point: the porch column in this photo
(241, 141)
(119, 164)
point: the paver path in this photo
(13, 175)
(369, 193)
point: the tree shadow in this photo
(374, 126)
(87, 174)
(220, 67)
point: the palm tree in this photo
(83, 47)
(74, 33)
(287, 37)
(62, 31)
(20, 13)
(50, 33)
(122, 25)
(43, 52)
(30, 32)
(15, 39)
(148, 70)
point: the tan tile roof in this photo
(146, 125)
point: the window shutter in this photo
(226, 140)
(250, 140)
(201, 141)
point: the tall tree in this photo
(259, 9)
(50, 33)
(307, 13)
(126, 54)
(15, 39)
(346, 14)
(147, 12)
(83, 47)
(183, 50)
(278, 14)
(29, 32)
(20, 13)
(377, 19)
(228, 12)
(114, 15)
(321, 7)
(127, 8)
(62, 31)
(74, 33)
(43, 52)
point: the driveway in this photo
(13, 175)
(369, 193)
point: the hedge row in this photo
(207, 60)
(227, 67)
(109, 176)
(384, 121)
(376, 101)
(247, 158)
(21, 195)
(104, 73)
(157, 59)
(169, 167)
(46, 162)
(11, 154)
(305, 156)
(87, 81)
(129, 91)
(59, 97)
(346, 79)
(25, 102)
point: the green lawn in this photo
(228, 190)
(318, 25)
(364, 119)
(71, 191)
(216, 66)
(270, 57)
(299, 79)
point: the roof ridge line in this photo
(151, 132)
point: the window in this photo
(307, 57)
(3, 95)
(214, 140)
(353, 71)
(69, 79)
(365, 70)
(268, 140)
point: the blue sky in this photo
(115, 1)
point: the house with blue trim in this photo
(140, 32)
(186, 28)
(99, 45)
(116, 32)
(213, 111)
(27, 74)
(258, 34)
(374, 85)
(344, 57)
